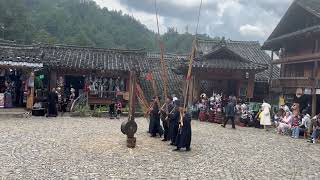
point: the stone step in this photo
(12, 113)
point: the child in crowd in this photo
(112, 110)
(306, 122)
(295, 125)
(278, 117)
(119, 109)
(244, 117)
(257, 119)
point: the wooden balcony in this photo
(297, 59)
(292, 82)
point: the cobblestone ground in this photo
(90, 148)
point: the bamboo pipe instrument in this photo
(151, 105)
(162, 107)
(185, 103)
(181, 121)
(170, 113)
(164, 68)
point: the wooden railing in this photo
(297, 58)
(292, 82)
(80, 102)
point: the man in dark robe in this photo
(183, 139)
(174, 123)
(52, 103)
(168, 109)
(150, 119)
(112, 110)
(155, 119)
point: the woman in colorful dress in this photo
(285, 123)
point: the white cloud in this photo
(189, 3)
(149, 20)
(251, 30)
(234, 19)
(112, 5)
(228, 5)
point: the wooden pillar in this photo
(30, 97)
(132, 93)
(196, 93)
(238, 87)
(271, 68)
(52, 79)
(130, 127)
(250, 88)
(191, 90)
(270, 76)
(128, 83)
(314, 94)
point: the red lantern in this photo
(149, 77)
(86, 88)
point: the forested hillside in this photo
(84, 24)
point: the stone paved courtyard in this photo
(90, 148)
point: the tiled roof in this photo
(95, 58)
(291, 27)
(228, 64)
(72, 57)
(264, 75)
(313, 6)
(276, 42)
(250, 50)
(3, 41)
(20, 55)
(175, 81)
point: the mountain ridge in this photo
(83, 23)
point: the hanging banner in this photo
(317, 91)
(307, 91)
(126, 96)
(31, 82)
(149, 77)
(299, 92)
(60, 82)
(281, 101)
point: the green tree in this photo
(84, 24)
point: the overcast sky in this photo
(234, 19)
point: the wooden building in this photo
(296, 41)
(175, 81)
(17, 64)
(106, 72)
(226, 67)
(177, 66)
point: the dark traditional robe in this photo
(150, 124)
(155, 126)
(184, 136)
(174, 125)
(165, 120)
(52, 106)
(112, 110)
